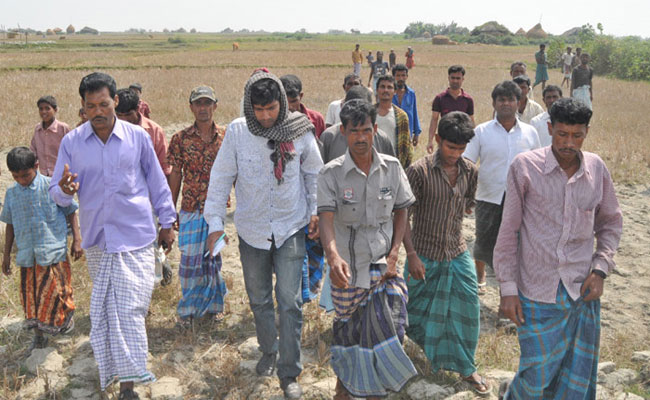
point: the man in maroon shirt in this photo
(452, 99)
(293, 88)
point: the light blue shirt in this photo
(265, 209)
(119, 182)
(410, 107)
(40, 227)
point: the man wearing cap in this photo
(192, 152)
(143, 106)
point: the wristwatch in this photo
(599, 273)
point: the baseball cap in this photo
(200, 92)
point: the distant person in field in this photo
(312, 269)
(47, 135)
(493, 147)
(541, 73)
(293, 88)
(443, 306)
(551, 94)
(567, 67)
(393, 120)
(370, 58)
(143, 106)
(334, 108)
(39, 228)
(363, 198)
(576, 58)
(581, 81)
(527, 108)
(334, 144)
(452, 99)
(272, 157)
(559, 201)
(112, 167)
(410, 58)
(357, 60)
(519, 68)
(82, 117)
(192, 152)
(405, 99)
(379, 68)
(392, 59)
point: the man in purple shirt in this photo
(452, 99)
(111, 165)
(558, 199)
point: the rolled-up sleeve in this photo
(608, 227)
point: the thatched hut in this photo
(536, 32)
(70, 29)
(57, 31)
(49, 32)
(520, 32)
(573, 32)
(440, 39)
(89, 31)
(491, 28)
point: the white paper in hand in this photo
(221, 243)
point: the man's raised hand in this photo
(67, 182)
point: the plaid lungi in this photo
(203, 287)
(46, 297)
(122, 286)
(369, 327)
(559, 349)
(444, 313)
(312, 268)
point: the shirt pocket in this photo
(349, 211)
(126, 171)
(584, 224)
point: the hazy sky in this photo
(619, 17)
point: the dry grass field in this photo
(207, 358)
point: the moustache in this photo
(99, 119)
(568, 150)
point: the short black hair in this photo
(570, 111)
(389, 78)
(292, 85)
(49, 100)
(357, 111)
(456, 127)
(136, 86)
(20, 159)
(264, 91)
(358, 92)
(96, 81)
(518, 63)
(456, 68)
(400, 67)
(521, 79)
(542, 46)
(349, 77)
(551, 88)
(507, 89)
(128, 100)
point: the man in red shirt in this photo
(293, 88)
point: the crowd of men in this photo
(345, 189)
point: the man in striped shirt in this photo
(443, 305)
(558, 199)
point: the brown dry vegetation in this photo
(206, 359)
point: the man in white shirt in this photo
(334, 109)
(496, 143)
(393, 120)
(567, 63)
(528, 108)
(274, 160)
(550, 95)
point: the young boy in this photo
(47, 135)
(39, 227)
(443, 307)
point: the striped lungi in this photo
(312, 268)
(122, 286)
(444, 312)
(369, 327)
(46, 297)
(559, 349)
(203, 287)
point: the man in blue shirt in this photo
(404, 98)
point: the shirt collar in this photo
(118, 129)
(437, 163)
(52, 128)
(32, 186)
(348, 162)
(194, 129)
(514, 127)
(550, 163)
(448, 93)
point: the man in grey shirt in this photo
(332, 142)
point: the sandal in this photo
(482, 288)
(477, 384)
